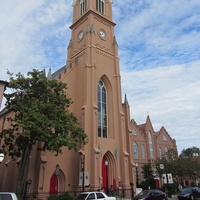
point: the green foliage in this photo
(39, 113)
(181, 167)
(148, 183)
(148, 176)
(41, 109)
(147, 170)
(65, 196)
(190, 152)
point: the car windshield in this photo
(145, 192)
(81, 197)
(186, 190)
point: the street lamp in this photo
(162, 167)
(106, 164)
(137, 174)
(83, 172)
(27, 188)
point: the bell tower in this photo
(93, 79)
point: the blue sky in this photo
(159, 51)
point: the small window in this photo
(135, 150)
(100, 6)
(164, 138)
(134, 132)
(143, 152)
(83, 5)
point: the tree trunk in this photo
(23, 170)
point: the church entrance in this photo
(109, 173)
(53, 184)
(105, 174)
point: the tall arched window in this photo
(83, 5)
(166, 150)
(143, 152)
(135, 150)
(150, 145)
(160, 153)
(100, 6)
(102, 110)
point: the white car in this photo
(94, 196)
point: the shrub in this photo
(65, 196)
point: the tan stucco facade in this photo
(92, 56)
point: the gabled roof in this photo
(162, 129)
(59, 71)
(141, 127)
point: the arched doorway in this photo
(53, 184)
(108, 172)
(105, 174)
(57, 181)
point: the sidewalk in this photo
(174, 197)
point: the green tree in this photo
(190, 152)
(41, 115)
(148, 176)
(181, 167)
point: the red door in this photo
(53, 185)
(104, 174)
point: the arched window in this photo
(134, 132)
(102, 110)
(166, 150)
(150, 145)
(135, 150)
(143, 152)
(83, 5)
(164, 138)
(160, 153)
(100, 6)
(166, 153)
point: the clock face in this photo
(102, 33)
(80, 35)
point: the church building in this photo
(117, 144)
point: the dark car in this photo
(153, 194)
(190, 193)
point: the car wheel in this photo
(191, 197)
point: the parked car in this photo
(190, 193)
(94, 195)
(153, 194)
(8, 196)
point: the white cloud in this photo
(31, 34)
(170, 96)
